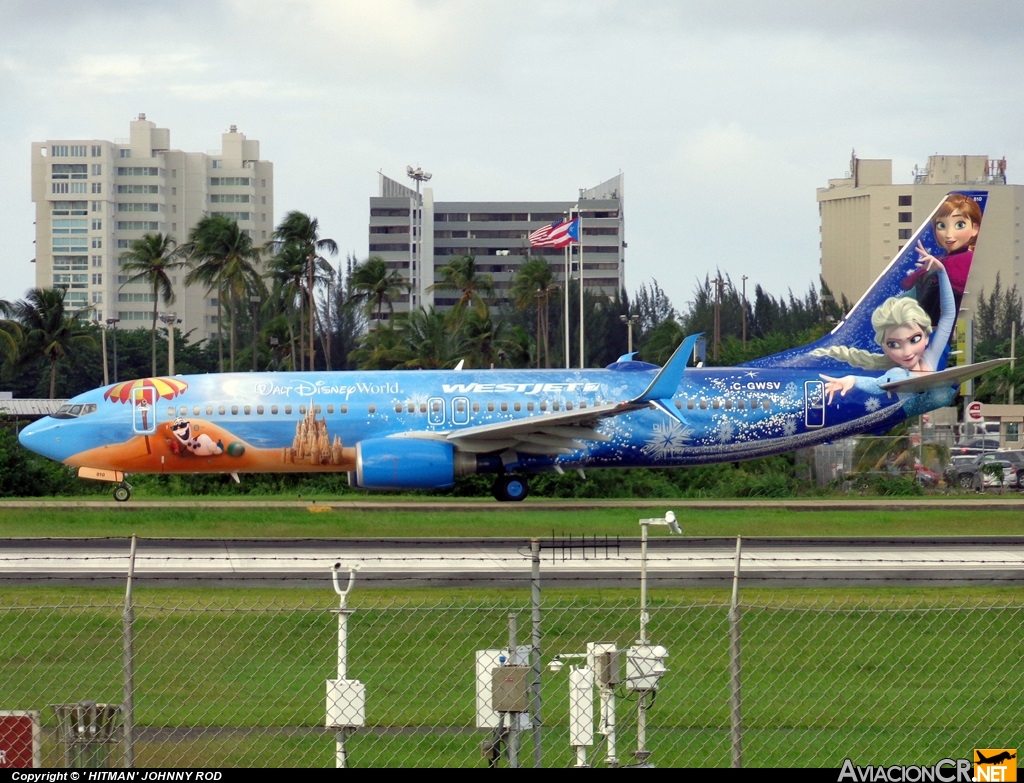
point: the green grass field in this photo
(255, 519)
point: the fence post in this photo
(128, 662)
(535, 653)
(735, 695)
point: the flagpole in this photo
(579, 253)
(567, 258)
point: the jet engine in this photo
(408, 463)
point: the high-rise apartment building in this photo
(866, 219)
(418, 236)
(94, 197)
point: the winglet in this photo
(666, 383)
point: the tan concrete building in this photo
(866, 219)
(94, 197)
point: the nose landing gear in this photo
(122, 492)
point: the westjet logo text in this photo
(518, 388)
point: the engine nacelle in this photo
(408, 463)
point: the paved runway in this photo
(562, 562)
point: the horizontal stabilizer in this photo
(953, 376)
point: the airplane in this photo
(423, 429)
(1001, 756)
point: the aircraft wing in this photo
(566, 431)
(952, 376)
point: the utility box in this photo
(510, 688)
(581, 707)
(605, 660)
(488, 716)
(645, 663)
(346, 704)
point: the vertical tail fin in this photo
(959, 211)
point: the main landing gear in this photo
(508, 487)
(122, 491)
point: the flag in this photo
(556, 234)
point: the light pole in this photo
(103, 340)
(254, 300)
(112, 323)
(169, 320)
(416, 262)
(629, 320)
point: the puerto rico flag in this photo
(556, 234)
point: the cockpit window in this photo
(74, 410)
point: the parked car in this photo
(1015, 458)
(965, 474)
(976, 445)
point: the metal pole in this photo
(565, 316)
(340, 754)
(735, 695)
(512, 745)
(535, 700)
(128, 662)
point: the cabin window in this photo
(679, 405)
(273, 410)
(543, 406)
(170, 413)
(209, 410)
(460, 406)
(556, 406)
(234, 410)
(319, 409)
(529, 407)
(330, 409)
(703, 405)
(753, 404)
(728, 405)
(517, 406)
(742, 405)
(259, 410)
(690, 405)
(435, 407)
(287, 410)
(302, 410)
(568, 406)
(195, 410)
(221, 410)
(715, 404)
(766, 404)
(490, 407)
(423, 407)
(398, 408)
(476, 407)
(372, 409)
(344, 409)
(583, 405)
(411, 407)
(247, 410)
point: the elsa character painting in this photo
(904, 332)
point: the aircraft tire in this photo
(510, 488)
(122, 493)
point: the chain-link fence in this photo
(185, 676)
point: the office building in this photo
(94, 197)
(418, 236)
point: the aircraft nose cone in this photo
(43, 437)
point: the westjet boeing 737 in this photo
(885, 362)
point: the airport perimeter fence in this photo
(791, 673)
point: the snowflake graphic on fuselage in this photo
(791, 389)
(726, 430)
(789, 428)
(668, 440)
(872, 404)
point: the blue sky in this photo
(723, 117)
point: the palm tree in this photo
(376, 286)
(534, 283)
(300, 229)
(223, 257)
(10, 332)
(285, 272)
(462, 276)
(152, 259)
(50, 331)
